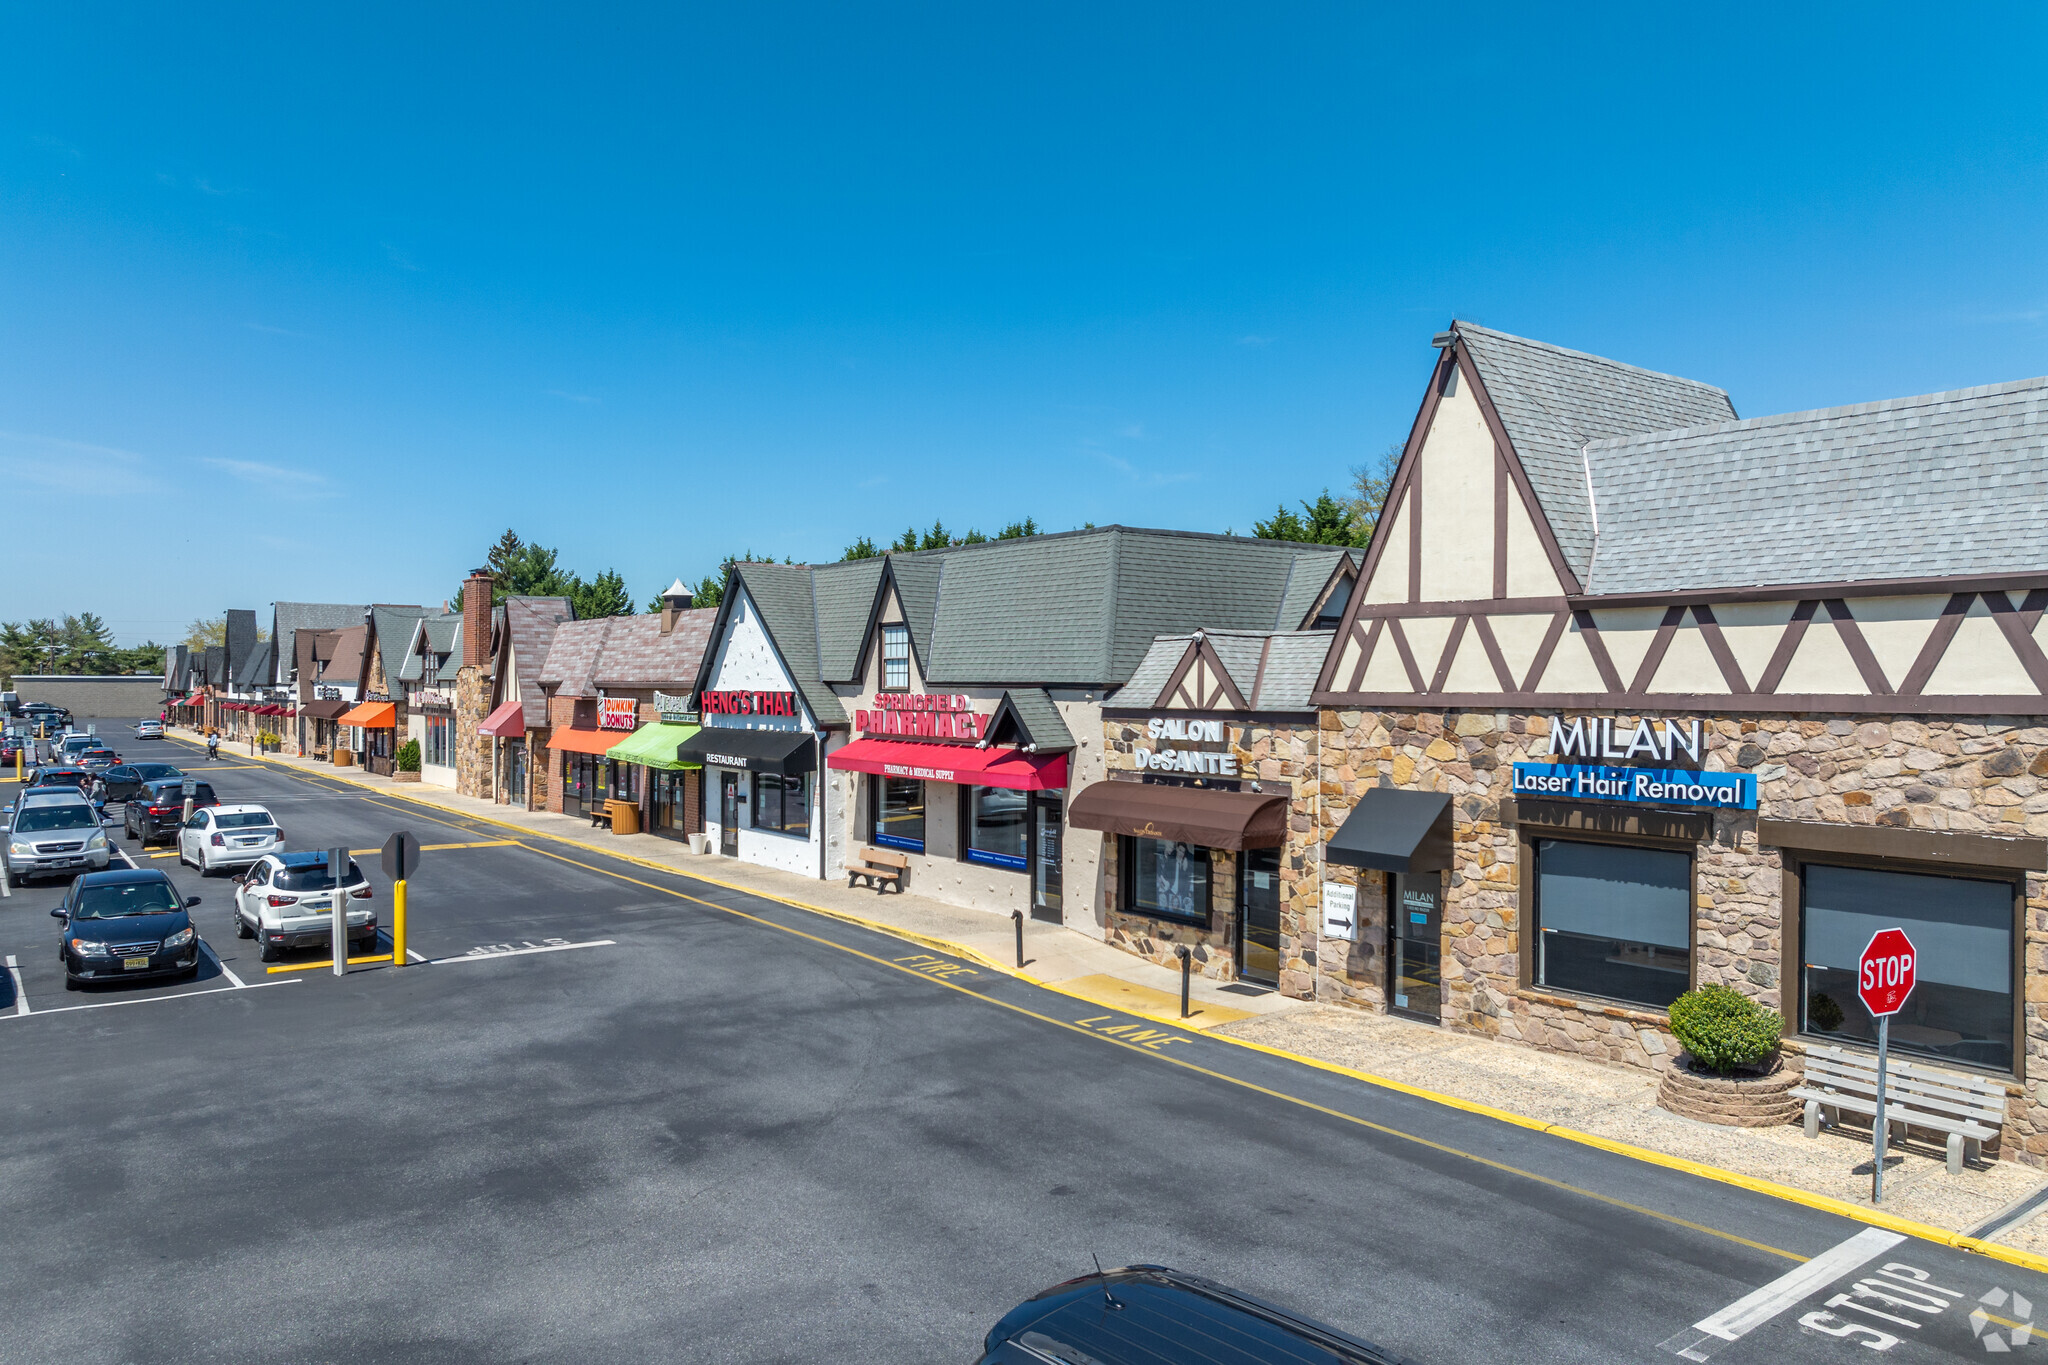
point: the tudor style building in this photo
(1581, 567)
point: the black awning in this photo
(1395, 831)
(761, 751)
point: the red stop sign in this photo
(1885, 976)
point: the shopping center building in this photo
(1636, 696)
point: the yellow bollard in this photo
(398, 924)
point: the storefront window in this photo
(582, 785)
(619, 780)
(899, 813)
(436, 747)
(1962, 932)
(997, 823)
(1614, 921)
(782, 803)
(1164, 878)
(895, 658)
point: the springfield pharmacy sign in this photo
(1598, 737)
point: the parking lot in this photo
(620, 1114)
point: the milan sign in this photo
(747, 703)
(924, 715)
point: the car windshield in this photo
(61, 780)
(155, 772)
(126, 898)
(245, 819)
(68, 815)
(312, 878)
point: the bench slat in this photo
(1915, 1091)
(1920, 1103)
(1895, 1113)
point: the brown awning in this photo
(324, 709)
(1195, 815)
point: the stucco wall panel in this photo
(1456, 525)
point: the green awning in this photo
(652, 746)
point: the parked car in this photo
(98, 760)
(44, 712)
(149, 729)
(45, 837)
(285, 900)
(71, 746)
(127, 923)
(127, 779)
(12, 742)
(228, 836)
(1147, 1313)
(74, 779)
(158, 810)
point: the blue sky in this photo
(313, 307)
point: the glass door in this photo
(729, 814)
(1258, 899)
(1417, 959)
(1046, 869)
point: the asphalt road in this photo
(624, 1115)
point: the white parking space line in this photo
(1759, 1306)
(20, 995)
(492, 954)
(225, 970)
(161, 999)
(412, 956)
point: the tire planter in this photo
(1742, 1100)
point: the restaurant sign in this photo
(617, 713)
(748, 703)
(1189, 753)
(1637, 786)
(676, 710)
(922, 715)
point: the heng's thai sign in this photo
(748, 703)
(922, 715)
(1188, 754)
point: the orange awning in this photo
(373, 715)
(563, 739)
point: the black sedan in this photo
(1147, 1313)
(125, 780)
(126, 925)
(157, 810)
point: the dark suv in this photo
(158, 809)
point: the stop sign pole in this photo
(1885, 976)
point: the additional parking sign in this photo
(1340, 911)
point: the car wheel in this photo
(70, 981)
(205, 865)
(268, 951)
(242, 929)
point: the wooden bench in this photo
(881, 866)
(1968, 1110)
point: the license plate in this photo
(134, 964)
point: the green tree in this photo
(1326, 521)
(207, 630)
(604, 595)
(1018, 530)
(906, 542)
(861, 549)
(1369, 486)
(937, 538)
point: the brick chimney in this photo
(674, 603)
(476, 617)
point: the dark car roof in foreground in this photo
(1150, 1315)
(121, 876)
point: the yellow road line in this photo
(310, 966)
(1770, 1188)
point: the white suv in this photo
(284, 901)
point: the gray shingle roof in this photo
(449, 670)
(241, 642)
(1293, 659)
(1553, 402)
(394, 627)
(845, 593)
(917, 587)
(782, 593)
(289, 618)
(1946, 484)
(530, 623)
(1040, 717)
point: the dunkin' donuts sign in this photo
(922, 715)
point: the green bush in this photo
(1723, 1029)
(409, 756)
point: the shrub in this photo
(1824, 1014)
(1723, 1029)
(408, 756)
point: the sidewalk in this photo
(1608, 1105)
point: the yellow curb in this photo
(312, 966)
(1806, 1198)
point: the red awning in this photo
(195, 699)
(507, 722)
(960, 763)
(272, 710)
(564, 739)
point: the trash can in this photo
(625, 816)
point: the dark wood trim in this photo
(1415, 533)
(1788, 645)
(1493, 606)
(1366, 641)
(2030, 609)
(1589, 630)
(1551, 636)
(1500, 524)
(1949, 848)
(1407, 655)
(1858, 647)
(1717, 645)
(1501, 674)
(1451, 643)
(2026, 706)
(1785, 592)
(1678, 827)
(1937, 643)
(1791, 969)
(1653, 657)
(1180, 672)
(1226, 686)
(1259, 679)
(1530, 503)
(2019, 637)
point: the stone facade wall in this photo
(1980, 775)
(1280, 756)
(472, 751)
